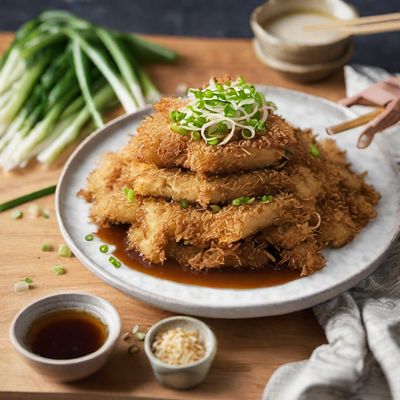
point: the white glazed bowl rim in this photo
(211, 348)
(114, 330)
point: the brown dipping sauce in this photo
(66, 334)
(171, 270)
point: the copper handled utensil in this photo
(354, 123)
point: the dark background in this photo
(214, 18)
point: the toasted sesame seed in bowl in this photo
(180, 350)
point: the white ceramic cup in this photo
(181, 376)
(70, 369)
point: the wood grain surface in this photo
(249, 350)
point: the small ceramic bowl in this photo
(187, 376)
(285, 55)
(302, 73)
(71, 369)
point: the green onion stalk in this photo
(58, 78)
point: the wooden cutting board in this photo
(249, 350)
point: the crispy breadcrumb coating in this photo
(156, 144)
(316, 201)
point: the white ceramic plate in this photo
(345, 267)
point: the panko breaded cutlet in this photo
(184, 191)
(177, 185)
(156, 144)
(286, 222)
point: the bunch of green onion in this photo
(62, 72)
(218, 111)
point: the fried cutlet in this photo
(155, 143)
(317, 201)
(173, 183)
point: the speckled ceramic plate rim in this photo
(229, 305)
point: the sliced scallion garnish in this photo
(219, 110)
(184, 204)
(314, 150)
(16, 214)
(58, 270)
(215, 208)
(130, 194)
(104, 248)
(266, 198)
(240, 201)
(64, 251)
(47, 247)
(112, 260)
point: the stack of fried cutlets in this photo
(257, 203)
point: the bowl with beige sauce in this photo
(282, 43)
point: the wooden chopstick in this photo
(354, 123)
(370, 28)
(354, 21)
(360, 26)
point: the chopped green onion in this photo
(130, 194)
(140, 336)
(215, 208)
(246, 134)
(58, 270)
(112, 260)
(46, 214)
(261, 126)
(16, 214)
(240, 201)
(184, 204)
(64, 251)
(28, 197)
(28, 280)
(177, 116)
(21, 286)
(47, 247)
(266, 198)
(133, 349)
(213, 142)
(216, 112)
(196, 136)
(104, 248)
(89, 238)
(34, 210)
(314, 150)
(178, 129)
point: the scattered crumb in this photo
(21, 286)
(34, 211)
(16, 214)
(136, 329)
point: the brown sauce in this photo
(171, 270)
(66, 334)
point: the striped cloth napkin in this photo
(362, 325)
